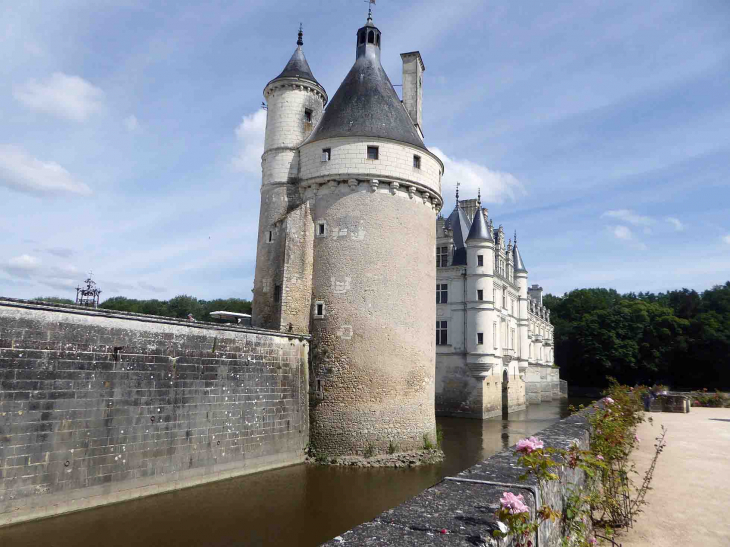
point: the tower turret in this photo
(479, 282)
(367, 177)
(523, 319)
(295, 101)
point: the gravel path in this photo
(689, 504)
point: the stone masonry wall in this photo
(98, 407)
(460, 510)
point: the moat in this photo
(302, 505)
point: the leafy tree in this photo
(55, 300)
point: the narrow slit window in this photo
(321, 229)
(326, 154)
(270, 236)
(319, 309)
(372, 152)
(416, 162)
(480, 338)
(307, 115)
(480, 295)
(277, 293)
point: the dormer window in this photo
(307, 115)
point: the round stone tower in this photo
(374, 189)
(295, 101)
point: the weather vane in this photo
(370, 8)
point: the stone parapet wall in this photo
(98, 407)
(464, 506)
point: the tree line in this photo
(178, 307)
(679, 338)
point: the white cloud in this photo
(23, 264)
(131, 123)
(624, 233)
(69, 97)
(631, 217)
(19, 171)
(496, 187)
(726, 239)
(250, 134)
(678, 226)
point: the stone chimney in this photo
(535, 293)
(413, 69)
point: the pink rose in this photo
(529, 445)
(514, 504)
(609, 401)
(599, 457)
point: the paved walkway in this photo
(689, 504)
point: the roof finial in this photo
(370, 10)
(479, 196)
(515, 238)
(457, 193)
(300, 42)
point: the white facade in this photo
(494, 340)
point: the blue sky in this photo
(131, 130)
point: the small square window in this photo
(480, 260)
(307, 115)
(416, 162)
(319, 310)
(480, 338)
(372, 152)
(321, 229)
(480, 295)
(326, 154)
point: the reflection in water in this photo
(296, 506)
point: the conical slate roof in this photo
(479, 228)
(366, 105)
(519, 265)
(298, 67)
(458, 223)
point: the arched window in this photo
(362, 37)
(371, 37)
(377, 40)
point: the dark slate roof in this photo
(366, 105)
(298, 67)
(519, 265)
(458, 222)
(479, 228)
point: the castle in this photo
(494, 340)
(341, 190)
(339, 186)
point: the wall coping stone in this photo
(132, 316)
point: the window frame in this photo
(442, 256)
(480, 339)
(326, 155)
(480, 261)
(442, 293)
(377, 153)
(320, 309)
(480, 295)
(442, 333)
(416, 161)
